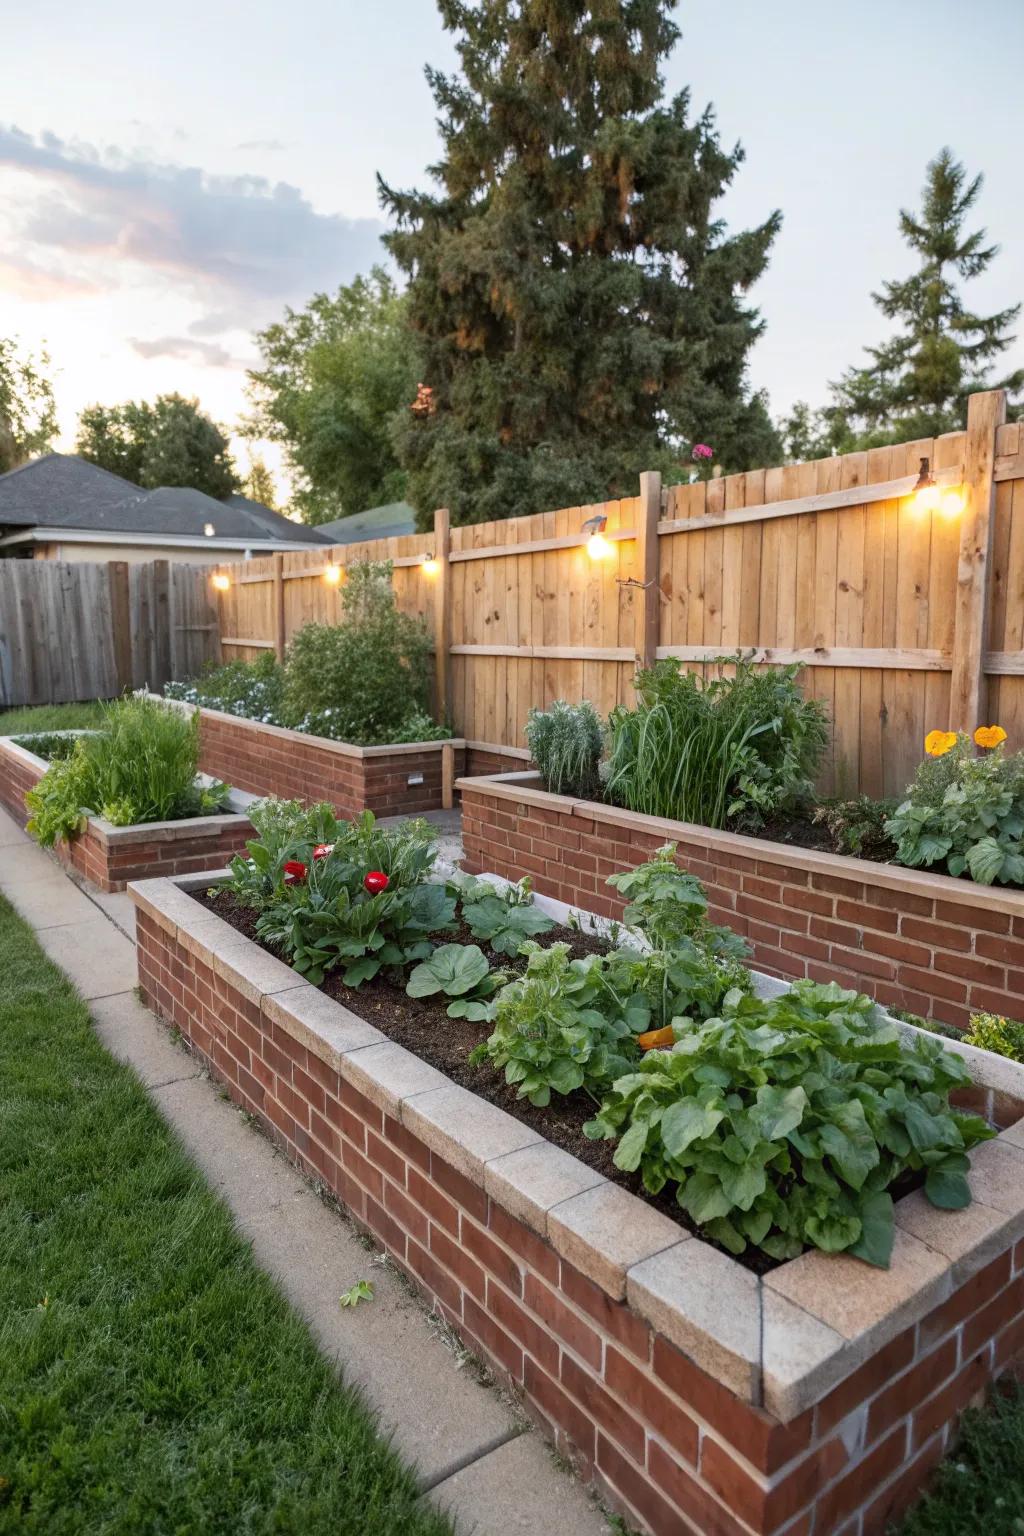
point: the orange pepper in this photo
(655, 1039)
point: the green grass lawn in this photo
(51, 717)
(152, 1378)
(979, 1489)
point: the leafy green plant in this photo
(322, 913)
(547, 1035)
(366, 675)
(284, 829)
(784, 1123)
(993, 1032)
(715, 750)
(503, 919)
(461, 972)
(667, 905)
(858, 827)
(140, 767)
(55, 746)
(965, 813)
(565, 742)
(252, 689)
(361, 1291)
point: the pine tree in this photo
(917, 383)
(578, 305)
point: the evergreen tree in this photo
(170, 442)
(917, 383)
(578, 306)
(259, 484)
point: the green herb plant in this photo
(141, 766)
(502, 919)
(966, 815)
(566, 741)
(993, 1032)
(785, 1123)
(733, 749)
(461, 972)
(858, 827)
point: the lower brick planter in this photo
(403, 780)
(698, 1397)
(110, 856)
(940, 947)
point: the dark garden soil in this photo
(422, 1025)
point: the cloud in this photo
(184, 348)
(26, 280)
(242, 245)
(263, 146)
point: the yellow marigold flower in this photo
(938, 743)
(989, 735)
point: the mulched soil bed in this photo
(422, 1025)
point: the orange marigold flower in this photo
(938, 743)
(989, 735)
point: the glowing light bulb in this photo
(220, 582)
(429, 565)
(598, 547)
(928, 499)
(952, 504)
(209, 530)
(332, 575)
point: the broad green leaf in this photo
(874, 1245)
(631, 1148)
(779, 1111)
(947, 1188)
(361, 970)
(743, 1185)
(833, 1233)
(453, 969)
(686, 1122)
(985, 860)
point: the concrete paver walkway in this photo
(473, 1452)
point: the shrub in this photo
(252, 689)
(365, 676)
(565, 742)
(858, 827)
(140, 767)
(784, 1123)
(966, 814)
(992, 1032)
(738, 749)
(53, 745)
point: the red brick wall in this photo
(940, 958)
(266, 761)
(481, 760)
(16, 778)
(666, 1443)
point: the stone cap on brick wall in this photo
(780, 1342)
(342, 748)
(10, 748)
(527, 789)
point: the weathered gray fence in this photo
(70, 631)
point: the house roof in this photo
(395, 517)
(63, 491)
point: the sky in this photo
(170, 180)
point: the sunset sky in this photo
(169, 181)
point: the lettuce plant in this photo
(462, 973)
(502, 919)
(785, 1123)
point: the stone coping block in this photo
(303, 738)
(705, 1303)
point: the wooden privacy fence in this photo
(907, 619)
(81, 631)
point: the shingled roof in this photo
(61, 490)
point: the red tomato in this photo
(294, 872)
(375, 882)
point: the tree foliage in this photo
(168, 442)
(917, 383)
(578, 305)
(259, 484)
(28, 414)
(332, 377)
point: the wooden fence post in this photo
(121, 623)
(279, 630)
(163, 618)
(442, 615)
(986, 412)
(648, 566)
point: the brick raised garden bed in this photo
(940, 947)
(697, 1396)
(110, 856)
(403, 780)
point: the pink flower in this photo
(702, 451)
